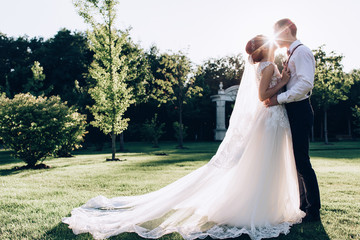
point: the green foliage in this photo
(15, 59)
(153, 130)
(36, 127)
(139, 74)
(175, 83)
(36, 82)
(74, 133)
(228, 70)
(111, 94)
(354, 95)
(356, 115)
(64, 59)
(330, 84)
(354, 98)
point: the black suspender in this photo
(287, 61)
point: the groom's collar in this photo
(294, 45)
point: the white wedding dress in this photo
(248, 187)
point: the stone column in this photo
(220, 120)
(223, 96)
(220, 114)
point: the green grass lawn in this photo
(32, 202)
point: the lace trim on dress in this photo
(212, 230)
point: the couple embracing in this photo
(259, 182)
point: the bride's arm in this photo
(264, 91)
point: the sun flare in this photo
(272, 40)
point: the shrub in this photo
(37, 127)
(74, 132)
(153, 130)
(176, 126)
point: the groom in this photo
(301, 63)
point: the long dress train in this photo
(248, 187)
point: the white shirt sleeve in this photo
(304, 66)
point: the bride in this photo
(248, 187)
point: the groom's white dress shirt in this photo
(302, 68)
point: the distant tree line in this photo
(59, 66)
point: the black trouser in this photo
(301, 118)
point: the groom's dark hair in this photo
(287, 23)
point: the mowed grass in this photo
(32, 202)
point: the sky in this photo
(202, 29)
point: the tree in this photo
(331, 85)
(153, 130)
(16, 61)
(176, 84)
(228, 70)
(138, 74)
(35, 84)
(345, 109)
(180, 131)
(37, 127)
(111, 94)
(354, 98)
(356, 114)
(66, 58)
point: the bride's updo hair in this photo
(254, 47)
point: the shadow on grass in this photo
(335, 150)
(336, 153)
(304, 231)
(7, 172)
(13, 171)
(166, 146)
(61, 232)
(6, 158)
(172, 160)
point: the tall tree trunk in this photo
(121, 142)
(113, 145)
(113, 135)
(349, 126)
(156, 143)
(325, 127)
(322, 130)
(180, 127)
